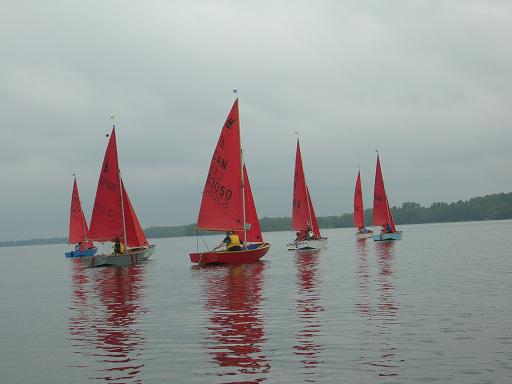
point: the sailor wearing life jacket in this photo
(118, 246)
(232, 242)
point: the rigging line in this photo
(206, 245)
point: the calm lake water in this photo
(433, 307)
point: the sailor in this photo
(118, 246)
(231, 241)
(386, 228)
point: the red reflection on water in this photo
(388, 305)
(364, 275)
(379, 306)
(106, 303)
(307, 304)
(233, 296)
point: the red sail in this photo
(300, 210)
(314, 223)
(78, 231)
(303, 213)
(221, 205)
(135, 236)
(391, 221)
(358, 204)
(253, 232)
(107, 221)
(381, 211)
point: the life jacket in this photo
(121, 249)
(234, 241)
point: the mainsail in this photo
(107, 215)
(381, 212)
(303, 213)
(108, 221)
(222, 203)
(358, 204)
(78, 230)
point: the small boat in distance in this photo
(303, 214)
(78, 230)
(227, 203)
(381, 212)
(113, 217)
(362, 231)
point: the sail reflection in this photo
(308, 306)
(233, 296)
(106, 303)
(380, 308)
(363, 274)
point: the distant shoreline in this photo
(489, 207)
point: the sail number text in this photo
(217, 192)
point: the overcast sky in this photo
(427, 83)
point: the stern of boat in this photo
(388, 236)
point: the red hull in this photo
(236, 257)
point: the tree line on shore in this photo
(490, 207)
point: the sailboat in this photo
(78, 230)
(381, 212)
(113, 216)
(227, 203)
(362, 231)
(303, 214)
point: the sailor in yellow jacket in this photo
(231, 241)
(118, 247)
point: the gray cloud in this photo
(426, 83)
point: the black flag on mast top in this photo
(235, 90)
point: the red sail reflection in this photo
(363, 273)
(107, 306)
(233, 296)
(308, 307)
(380, 312)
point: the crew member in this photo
(231, 241)
(118, 246)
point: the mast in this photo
(243, 190)
(122, 208)
(125, 240)
(235, 91)
(385, 193)
(82, 213)
(388, 211)
(306, 186)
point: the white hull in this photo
(132, 256)
(388, 236)
(307, 244)
(367, 235)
